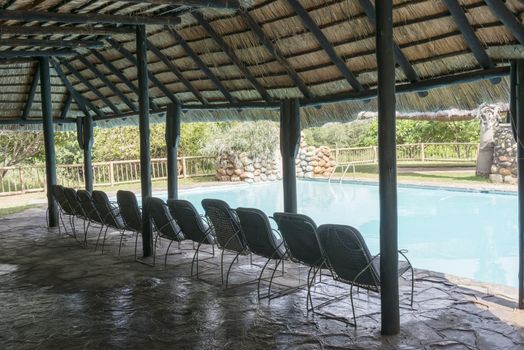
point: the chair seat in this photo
(403, 266)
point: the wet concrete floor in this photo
(57, 295)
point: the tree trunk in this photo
(489, 116)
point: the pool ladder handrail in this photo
(352, 164)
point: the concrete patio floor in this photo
(57, 295)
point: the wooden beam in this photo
(191, 53)
(8, 61)
(89, 86)
(289, 146)
(218, 4)
(176, 71)
(400, 58)
(107, 82)
(120, 76)
(82, 103)
(55, 30)
(124, 52)
(66, 106)
(15, 121)
(275, 52)
(92, 44)
(232, 56)
(95, 18)
(36, 53)
(469, 34)
(499, 9)
(325, 44)
(520, 162)
(389, 292)
(172, 141)
(31, 93)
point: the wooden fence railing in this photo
(32, 178)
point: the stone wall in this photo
(312, 161)
(504, 167)
(240, 167)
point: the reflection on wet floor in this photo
(57, 295)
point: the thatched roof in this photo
(288, 60)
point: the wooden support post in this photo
(145, 152)
(84, 130)
(289, 145)
(520, 151)
(49, 139)
(389, 295)
(184, 167)
(172, 142)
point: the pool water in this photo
(467, 234)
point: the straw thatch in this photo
(424, 30)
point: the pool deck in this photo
(57, 295)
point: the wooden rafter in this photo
(66, 106)
(219, 4)
(507, 17)
(130, 57)
(32, 92)
(276, 53)
(201, 65)
(82, 102)
(53, 30)
(89, 86)
(325, 44)
(107, 82)
(36, 53)
(92, 44)
(169, 63)
(95, 18)
(469, 34)
(232, 56)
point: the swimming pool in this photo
(467, 234)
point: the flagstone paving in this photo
(57, 295)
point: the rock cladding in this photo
(311, 161)
(504, 167)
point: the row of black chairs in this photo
(340, 249)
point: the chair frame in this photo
(111, 207)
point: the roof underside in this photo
(264, 51)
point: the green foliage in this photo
(333, 135)
(257, 139)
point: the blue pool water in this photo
(462, 233)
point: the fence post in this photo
(184, 167)
(336, 153)
(111, 174)
(422, 154)
(375, 154)
(21, 177)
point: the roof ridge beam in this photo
(325, 44)
(130, 57)
(232, 56)
(276, 53)
(176, 71)
(513, 25)
(120, 76)
(36, 53)
(61, 17)
(89, 86)
(191, 53)
(108, 82)
(218, 4)
(82, 102)
(469, 34)
(31, 93)
(75, 43)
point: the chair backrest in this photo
(107, 212)
(189, 220)
(72, 199)
(161, 217)
(258, 232)
(225, 222)
(300, 234)
(58, 193)
(86, 201)
(129, 210)
(349, 256)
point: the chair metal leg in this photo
(222, 267)
(136, 243)
(98, 239)
(104, 240)
(167, 252)
(412, 285)
(260, 277)
(272, 276)
(85, 233)
(154, 250)
(195, 257)
(230, 266)
(352, 305)
(121, 238)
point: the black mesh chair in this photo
(65, 210)
(130, 213)
(193, 226)
(261, 240)
(89, 209)
(165, 224)
(109, 213)
(75, 207)
(300, 234)
(229, 235)
(350, 261)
